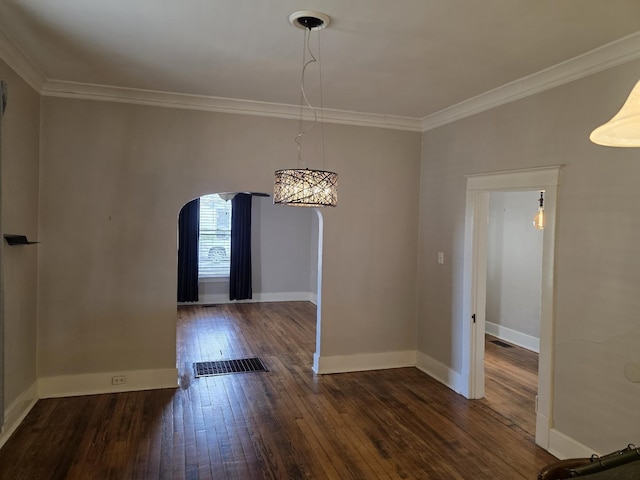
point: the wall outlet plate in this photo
(118, 380)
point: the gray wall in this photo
(514, 262)
(113, 178)
(20, 155)
(282, 248)
(597, 255)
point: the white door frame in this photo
(475, 288)
(316, 355)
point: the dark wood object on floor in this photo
(560, 470)
(283, 424)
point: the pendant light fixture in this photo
(623, 130)
(538, 220)
(303, 186)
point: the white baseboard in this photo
(563, 446)
(221, 298)
(440, 372)
(543, 430)
(95, 383)
(17, 411)
(363, 362)
(513, 336)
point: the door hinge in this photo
(473, 317)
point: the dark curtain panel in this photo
(240, 272)
(188, 232)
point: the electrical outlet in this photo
(118, 380)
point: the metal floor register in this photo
(222, 367)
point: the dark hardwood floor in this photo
(511, 383)
(284, 424)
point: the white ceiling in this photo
(403, 57)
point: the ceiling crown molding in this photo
(20, 63)
(86, 91)
(607, 56)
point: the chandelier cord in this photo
(321, 102)
(303, 96)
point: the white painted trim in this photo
(364, 362)
(105, 93)
(17, 411)
(20, 63)
(543, 429)
(513, 336)
(318, 295)
(95, 383)
(220, 298)
(515, 179)
(213, 279)
(607, 56)
(439, 371)
(313, 298)
(562, 446)
(474, 286)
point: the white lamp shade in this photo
(305, 188)
(623, 130)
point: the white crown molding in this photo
(607, 56)
(599, 59)
(20, 63)
(86, 91)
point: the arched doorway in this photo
(286, 260)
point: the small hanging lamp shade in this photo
(302, 187)
(623, 130)
(538, 220)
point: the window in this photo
(214, 242)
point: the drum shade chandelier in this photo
(623, 130)
(303, 186)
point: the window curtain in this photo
(240, 271)
(188, 233)
(3, 105)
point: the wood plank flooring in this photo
(511, 383)
(284, 424)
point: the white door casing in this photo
(475, 273)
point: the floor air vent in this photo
(502, 344)
(222, 367)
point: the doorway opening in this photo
(479, 189)
(286, 253)
(512, 316)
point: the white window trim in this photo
(213, 279)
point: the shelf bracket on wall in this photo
(13, 240)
